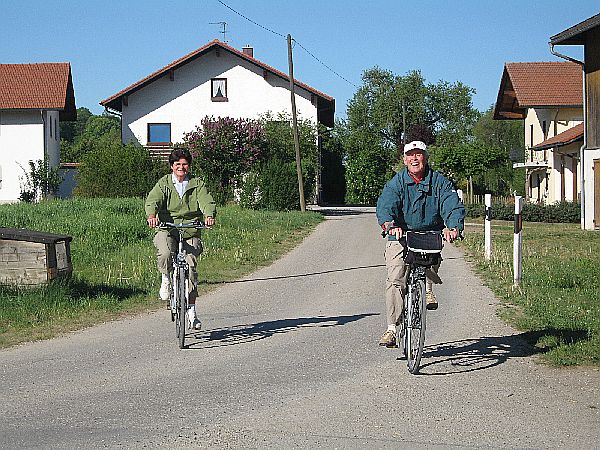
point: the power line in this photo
(250, 20)
(295, 41)
(324, 65)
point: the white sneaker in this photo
(165, 288)
(194, 322)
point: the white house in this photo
(214, 80)
(548, 97)
(34, 98)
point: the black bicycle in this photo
(180, 279)
(423, 250)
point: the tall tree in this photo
(388, 108)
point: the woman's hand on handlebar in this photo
(153, 221)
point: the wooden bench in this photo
(33, 258)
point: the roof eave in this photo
(575, 35)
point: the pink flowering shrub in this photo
(223, 150)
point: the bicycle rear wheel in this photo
(181, 307)
(415, 332)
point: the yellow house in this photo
(547, 96)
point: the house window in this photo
(56, 129)
(50, 126)
(159, 133)
(218, 89)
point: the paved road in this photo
(289, 359)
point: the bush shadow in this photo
(470, 355)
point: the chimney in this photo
(247, 50)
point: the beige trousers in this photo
(166, 246)
(395, 283)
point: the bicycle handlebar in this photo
(197, 225)
(384, 233)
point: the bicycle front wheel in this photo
(415, 332)
(181, 307)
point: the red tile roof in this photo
(536, 85)
(38, 86)
(569, 136)
(115, 101)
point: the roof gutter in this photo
(584, 146)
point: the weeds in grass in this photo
(558, 299)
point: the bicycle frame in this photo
(413, 318)
(180, 279)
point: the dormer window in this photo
(219, 89)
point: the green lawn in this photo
(114, 260)
(559, 297)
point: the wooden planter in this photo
(33, 258)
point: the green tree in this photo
(380, 111)
(70, 130)
(505, 134)
(98, 131)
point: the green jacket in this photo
(428, 205)
(196, 203)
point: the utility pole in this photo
(403, 123)
(295, 126)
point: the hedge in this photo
(560, 212)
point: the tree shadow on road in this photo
(252, 332)
(469, 355)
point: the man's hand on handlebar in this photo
(390, 228)
(450, 234)
(209, 221)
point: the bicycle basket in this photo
(423, 249)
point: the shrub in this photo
(40, 182)
(116, 170)
(223, 150)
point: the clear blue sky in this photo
(112, 44)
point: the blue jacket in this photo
(426, 206)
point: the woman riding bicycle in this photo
(418, 199)
(179, 197)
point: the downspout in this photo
(583, 147)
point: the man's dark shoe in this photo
(432, 303)
(388, 339)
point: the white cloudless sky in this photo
(112, 44)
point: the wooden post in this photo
(295, 126)
(488, 226)
(518, 242)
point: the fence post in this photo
(488, 226)
(460, 194)
(518, 242)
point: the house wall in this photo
(21, 140)
(590, 189)
(545, 185)
(186, 100)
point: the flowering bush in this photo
(223, 150)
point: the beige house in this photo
(587, 34)
(547, 96)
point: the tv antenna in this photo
(223, 31)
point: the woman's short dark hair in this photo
(179, 153)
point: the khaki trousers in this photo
(166, 247)
(395, 283)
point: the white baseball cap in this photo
(415, 145)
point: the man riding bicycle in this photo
(179, 198)
(418, 199)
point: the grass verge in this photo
(558, 301)
(114, 261)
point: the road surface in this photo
(289, 359)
